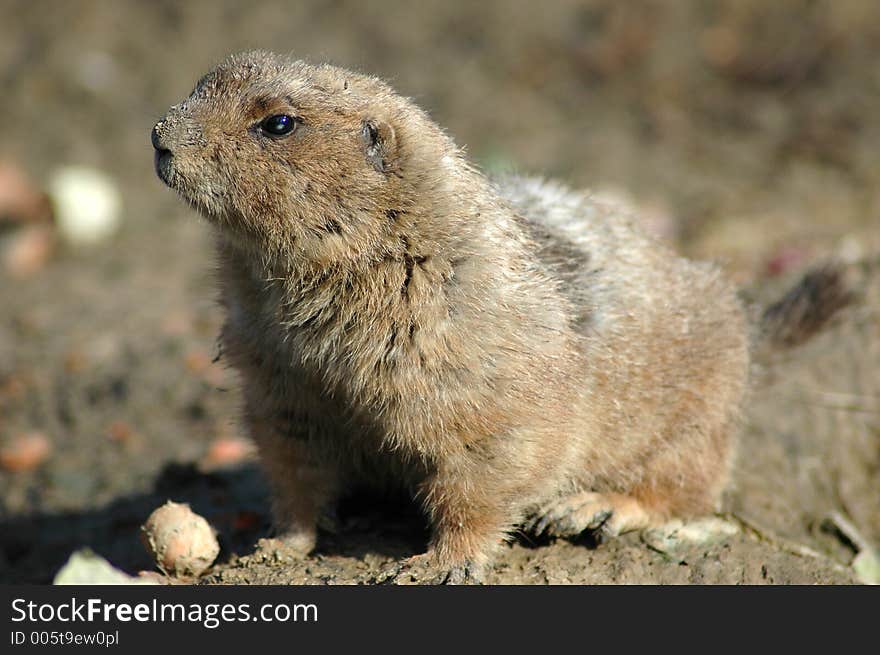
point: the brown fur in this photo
(509, 352)
(806, 308)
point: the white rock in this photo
(87, 205)
(84, 567)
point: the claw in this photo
(600, 519)
(459, 575)
(542, 526)
(571, 516)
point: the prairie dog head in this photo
(284, 156)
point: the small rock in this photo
(227, 451)
(20, 199)
(181, 542)
(25, 452)
(87, 205)
(84, 567)
(27, 252)
(867, 566)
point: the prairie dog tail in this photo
(805, 309)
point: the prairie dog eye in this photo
(278, 125)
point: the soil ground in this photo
(746, 131)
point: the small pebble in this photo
(87, 205)
(28, 251)
(181, 542)
(25, 452)
(227, 451)
(20, 199)
(86, 568)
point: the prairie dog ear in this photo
(380, 144)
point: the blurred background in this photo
(745, 131)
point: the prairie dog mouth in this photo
(162, 163)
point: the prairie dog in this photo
(512, 352)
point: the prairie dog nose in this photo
(155, 137)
